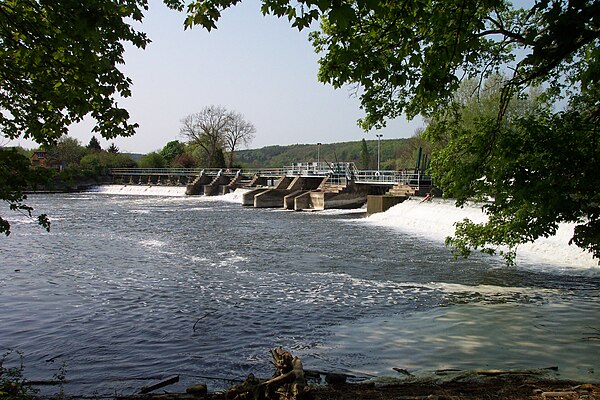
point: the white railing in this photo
(264, 171)
(157, 171)
(322, 168)
(197, 171)
(337, 173)
(406, 177)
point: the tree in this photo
(94, 144)
(17, 174)
(215, 129)
(184, 161)
(152, 160)
(99, 163)
(67, 150)
(207, 129)
(58, 63)
(172, 150)
(467, 172)
(113, 149)
(365, 155)
(219, 160)
(410, 57)
(238, 132)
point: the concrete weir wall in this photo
(328, 200)
(248, 197)
(285, 191)
(290, 199)
(213, 188)
(272, 198)
(197, 186)
(383, 203)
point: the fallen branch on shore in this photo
(287, 383)
(165, 382)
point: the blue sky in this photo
(256, 65)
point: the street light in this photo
(379, 136)
(318, 155)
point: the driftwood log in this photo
(287, 383)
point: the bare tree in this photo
(239, 133)
(207, 129)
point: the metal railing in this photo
(337, 173)
(264, 171)
(322, 168)
(406, 177)
(157, 171)
(197, 171)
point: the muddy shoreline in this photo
(508, 387)
(453, 385)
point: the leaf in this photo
(343, 16)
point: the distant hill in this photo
(394, 153)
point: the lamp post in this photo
(318, 155)
(379, 136)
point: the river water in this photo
(129, 289)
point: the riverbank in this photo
(466, 386)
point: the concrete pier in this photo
(285, 191)
(349, 196)
(248, 197)
(197, 185)
(290, 199)
(381, 203)
(272, 198)
(214, 187)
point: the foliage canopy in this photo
(17, 173)
(542, 169)
(59, 63)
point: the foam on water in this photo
(152, 243)
(171, 191)
(435, 221)
(233, 197)
(331, 211)
(140, 190)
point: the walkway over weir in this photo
(301, 186)
(337, 173)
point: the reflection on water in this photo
(130, 288)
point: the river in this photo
(127, 289)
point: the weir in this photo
(300, 187)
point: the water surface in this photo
(126, 289)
